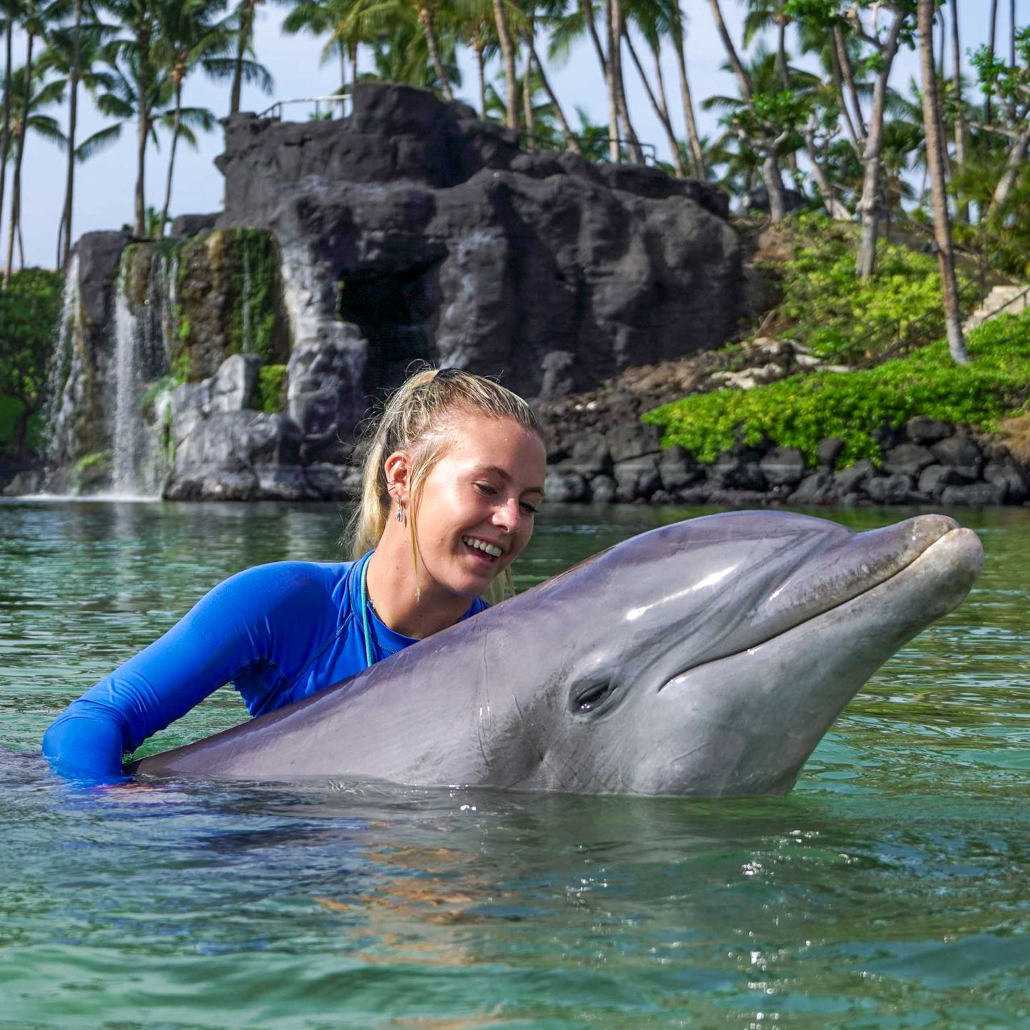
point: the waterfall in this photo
(128, 424)
(65, 371)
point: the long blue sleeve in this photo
(258, 629)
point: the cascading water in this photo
(128, 423)
(65, 371)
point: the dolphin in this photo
(706, 658)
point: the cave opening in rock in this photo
(397, 313)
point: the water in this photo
(889, 890)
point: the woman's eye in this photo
(486, 488)
(526, 506)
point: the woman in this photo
(451, 483)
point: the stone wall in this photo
(923, 462)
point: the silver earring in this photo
(400, 513)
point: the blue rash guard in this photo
(276, 632)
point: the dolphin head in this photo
(709, 657)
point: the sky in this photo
(105, 184)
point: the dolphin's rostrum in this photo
(704, 658)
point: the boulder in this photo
(907, 459)
(933, 480)
(895, 489)
(732, 471)
(602, 489)
(828, 451)
(564, 487)
(284, 483)
(271, 440)
(589, 456)
(29, 481)
(324, 481)
(854, 478)
(636, 478)
(783, 466)
(191, 225)
(816, 488)
(923, 430)
(1011, 477)
(960, 452)
(678, 469)
(632, 440)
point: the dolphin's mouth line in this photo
(813, 615)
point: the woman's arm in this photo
(231, 630)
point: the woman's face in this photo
(478, 502)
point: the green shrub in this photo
(271, 388)
(92, 470)
(30, 307)
(802, 410)
(839, 317)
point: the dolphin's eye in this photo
(592, 697)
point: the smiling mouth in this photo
(481, 549)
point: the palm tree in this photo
(190, 33)
(74, 54)
(140, 85)
(9, 10)
(337, 17)
(934, 149)
(246, 69)
(36, 18)
(29, 97)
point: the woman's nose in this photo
(506, 515)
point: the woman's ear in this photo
(397, 468)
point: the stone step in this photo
(1010, 299)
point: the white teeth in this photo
(482, 545)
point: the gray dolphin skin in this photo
(704, 658)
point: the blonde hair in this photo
(413, 419)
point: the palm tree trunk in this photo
(838, 85)
(242, 42)
(16, 192)
(425, 18)
(693, 139)
(1012, 52)
(1013, 163)
(481, 70)
(139, 222)
(614, 150)
(73, 87)
(171, 157)
(508, 53)
(849, 77)
(960, 118)
(935, 162)
(5, 138)
(731, 52)
(571, 142)
(663, 114)
(867, 205)
(636, 155)
(992, 23)
(527, 97)
(774, 184)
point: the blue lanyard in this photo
(369, 660)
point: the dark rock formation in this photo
(414, 230)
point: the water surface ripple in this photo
(889, 890)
